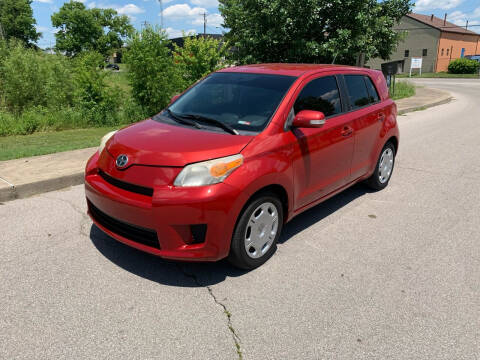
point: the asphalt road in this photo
(387, 275)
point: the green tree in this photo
(16, 21)
(81, 29)
(316, 31)
(151, 69)
(199, 56)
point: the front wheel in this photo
(384, 168)
(256, 233)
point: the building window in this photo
(448, 50)
(442, 52)
(424, 52)
(407, 53)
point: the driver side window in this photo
(321, 94)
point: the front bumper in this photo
(171, 214)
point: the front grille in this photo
(131, 232)
(126, 186)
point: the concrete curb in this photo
(38, 187)
(425, 106)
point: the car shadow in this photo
(182, 274)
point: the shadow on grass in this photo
(182, 274)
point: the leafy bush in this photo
(132, 112)
(463, 66)
(152, 73)
(30, 78)
(23, 78)
(39, 118)
(98, 103)
(199, 56)
(52, 92)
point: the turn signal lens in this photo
(208, 172)
(219, 170)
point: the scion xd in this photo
(220, 171)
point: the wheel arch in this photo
(276, 189)
(394, 140)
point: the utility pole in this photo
(161, 13)
(204, 23)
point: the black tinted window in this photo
(357, 91)
(372, 92)
(320, 95)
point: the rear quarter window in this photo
(372, 91)
(357, 91)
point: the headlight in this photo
(208, 172)
(105, 139)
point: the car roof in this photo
(288, 68)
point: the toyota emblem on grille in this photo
(122, 161)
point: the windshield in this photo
(243, 101)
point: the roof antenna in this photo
(445, 19)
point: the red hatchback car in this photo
(220, 171)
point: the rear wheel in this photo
(257, 231)
(384, 168)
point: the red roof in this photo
(439, 24)
(285, 68)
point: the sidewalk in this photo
(424, 98)
(28, 176)
(38, 174)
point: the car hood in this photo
(158, 144)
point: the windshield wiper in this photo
(211, 121)
(180, 119)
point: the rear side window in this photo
(320, 95)
(372, 92)
(357, 91)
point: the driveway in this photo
(393, 274)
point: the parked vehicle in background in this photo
(220, 171)
(112, 66)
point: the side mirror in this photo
(174, 98)
(309, 119)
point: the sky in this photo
(187, 15)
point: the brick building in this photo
(436, 40)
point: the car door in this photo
(322, 156)
(368, 115)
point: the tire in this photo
(383, 171)
(264, 208)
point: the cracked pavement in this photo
(393, 274)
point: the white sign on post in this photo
(416, 64)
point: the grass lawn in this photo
(118, 78)
(403, 89)
(440, 75)
(13, 147)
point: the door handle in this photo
(347, 131)
(381, 116)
